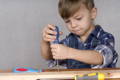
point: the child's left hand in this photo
(59, 51)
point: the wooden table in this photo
(110, 74)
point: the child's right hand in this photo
(49, 33)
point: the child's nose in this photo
(73, 24)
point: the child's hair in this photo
(67, 8)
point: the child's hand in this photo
(49, 33)
(59, 51)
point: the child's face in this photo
(81, 22)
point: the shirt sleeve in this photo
(106, 48)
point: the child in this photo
(87, 45)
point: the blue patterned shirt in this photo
(98, 40)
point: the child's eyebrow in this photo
(77, 16)
(66, 19)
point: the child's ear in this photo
(93, 13)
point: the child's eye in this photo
(67, 21)
(79, 18)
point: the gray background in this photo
(21, 23)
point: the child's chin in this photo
(78, 33)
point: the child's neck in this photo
(84, 37)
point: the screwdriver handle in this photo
(56, 41)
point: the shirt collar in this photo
(96, 32)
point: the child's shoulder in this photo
(102, 34)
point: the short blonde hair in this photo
(67, 8)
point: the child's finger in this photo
(51, 32)
(50, 26)
(53, 50)
(60, 33)
(53, 46)
(50, 37)
(47, 39)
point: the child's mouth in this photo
(76, 30)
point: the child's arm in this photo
(87, 56)
(47, 37)
(45, 50)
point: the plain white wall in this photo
(21, 23)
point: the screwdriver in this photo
(56, 41)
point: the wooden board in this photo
(110, 74)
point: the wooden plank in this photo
(110, 74)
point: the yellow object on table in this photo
(91, 76)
